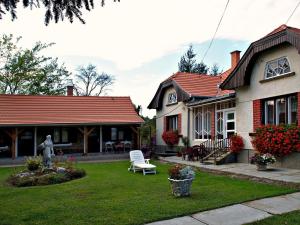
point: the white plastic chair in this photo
(139, 163)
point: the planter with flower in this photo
(170, 137)
(236, 145)
(262, 160)
(181, 178)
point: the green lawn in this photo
(291, 218)
(109, 194)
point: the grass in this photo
(109, 195)
(291, 218)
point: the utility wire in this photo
(292, 13)
(213, 38)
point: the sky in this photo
(140, 42)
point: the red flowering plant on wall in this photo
(170, 137)
(278, 140)
(236, 143)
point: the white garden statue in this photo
(48, 151)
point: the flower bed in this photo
(35, 174)
(279, 140)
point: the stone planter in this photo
(261, 167)
(181, 188)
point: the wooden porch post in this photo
(100, 138)
(35, 141)
(16, 143)
(136, 138)
(85, 141)
(86, 132)
(13, 134)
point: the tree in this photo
(188, 63)
(89, 82)
(55, 10)
(215, 70)
(200, 68)
(26, 71)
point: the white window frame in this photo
(204, 131)
(224, 111)
(276, 60)
(275, 114)
(174, 119)
(172, 97)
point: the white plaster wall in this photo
(257, 90)
(175, 109)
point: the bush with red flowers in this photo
(278, 140)
(237, 144)
(170, 137)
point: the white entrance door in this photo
(230, 126)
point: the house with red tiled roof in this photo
(267, 85)
(195, 106)
(259, 89)
(77, 124)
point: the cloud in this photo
(140, 41)
(132, 33)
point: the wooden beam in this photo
(35, 141)
(100, 138)
(90, 131)
(16, 142)
(134, 129)
(82, 131)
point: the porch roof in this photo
(68, 110)
(211, 100)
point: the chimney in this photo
(70, 87)
(235, 58)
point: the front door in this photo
(230, 124)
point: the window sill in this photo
(277, 77)
(170, 104)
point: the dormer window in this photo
(172, 98)
(277, 67)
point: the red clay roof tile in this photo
(43, 110)
(200, 84)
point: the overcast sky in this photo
(140, 41)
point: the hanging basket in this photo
(181, 188)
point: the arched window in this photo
(277, 67)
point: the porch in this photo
(76, 140)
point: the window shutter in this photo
(179, 123)
(257, 114)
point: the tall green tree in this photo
(55, 10)
(188, 63)
(215, 70)
(27, 71)
(89, 82)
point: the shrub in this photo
(170, 137)
(237, 143)
(280, 140)
(75, 174)
(34, 163)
